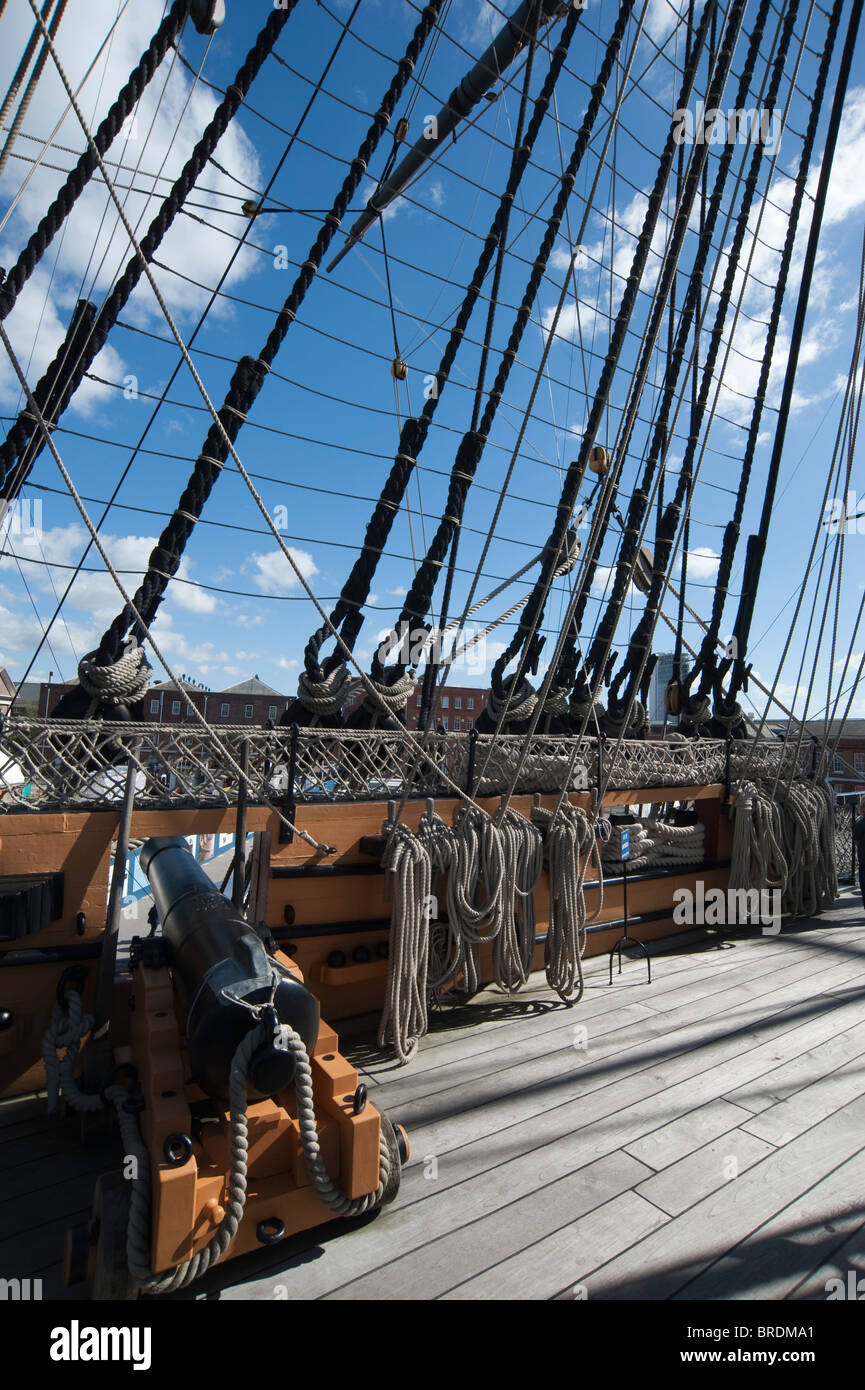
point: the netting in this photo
(81, 764)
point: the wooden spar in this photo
(488, 70)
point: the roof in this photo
(7, 685)
(251, 687)
(183, 682)
(848, 728)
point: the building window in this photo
(859, 762)
(445, 723)
(225, 709)
(154, 706)
(175, 706)
(839, 766)
(417, 701)
(470, 704)
(247, 711)
(446, 700)
(271, 712)
(458, 723)
(458, 702)
(470, 723)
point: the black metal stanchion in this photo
(624, 939)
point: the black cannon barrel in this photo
(221, 970)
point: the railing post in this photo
(470, 775)
(286, 833)
(238, 872)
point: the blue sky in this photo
(324, 430)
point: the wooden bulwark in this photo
(78, 844)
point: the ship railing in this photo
(50, 764)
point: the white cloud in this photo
(85, 259)
(274, 575)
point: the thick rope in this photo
(22, 432)
(514, 945)
(66, 1029)
(571, 846)
(79, 177)
(757, 859)
(511, 709)
(641, 847)
(139, 1230)
(325, 696)
(447, 953)
(479, 857)
(121, 683)
(408, 870)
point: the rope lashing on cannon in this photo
(139, 1229)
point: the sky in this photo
(324, 431)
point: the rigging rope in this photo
(347, 614)
(23, 432)
(571, 847)
(525, 640)
(30, 89)
(250, 372)
(725, 702)
(471, 447)
(632, 669)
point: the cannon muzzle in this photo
(224, 975)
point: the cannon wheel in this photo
(391, 1147)
(111, 1278)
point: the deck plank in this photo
(794, 1076)
(481, 1177)
(771, 1262)
(668, 1262)
(702, 1172)
(476, 1057)
(538, 1165)
(681, 1137)
(553, 1266)
(784, 1121)
(454, 1258)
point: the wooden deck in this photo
(702, 1137)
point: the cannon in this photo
(222, 1171)
(223, 974)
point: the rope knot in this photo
(122, 682)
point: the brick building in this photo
(846, 769)
(250, 702)
(456, 710)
